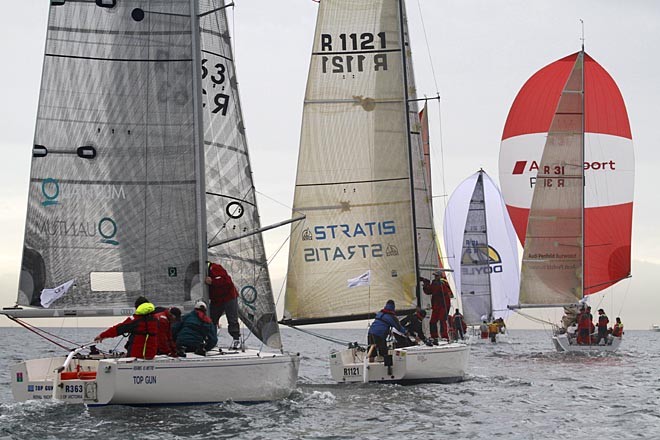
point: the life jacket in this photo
(603, 321)
(142, 331)
(617, 330)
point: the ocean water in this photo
(520, 389)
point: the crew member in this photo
(459, 325)
(440, 302)
(378, 331)
(224, 300)
(617, 330)
(197, 334)
(602, 326)
(142, 329)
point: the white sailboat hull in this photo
(444, 363)
(160, 381)
(563, 344)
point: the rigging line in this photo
(534, 318)
(428, 48)
(325, 338)
(39, 332)
(279, 295)
(273, 200)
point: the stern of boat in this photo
(564, 344)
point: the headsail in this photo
(114, 174)
(353, 179)
(551, 102)
(231, 205)
(482, 248)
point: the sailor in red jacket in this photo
(166, 344)
(142, 328)
(224, 300)
(440, 302)
(584, 327)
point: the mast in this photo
(408, 142)
(480, 180)
(200, 176)
(581, 57)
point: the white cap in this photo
(200, 305)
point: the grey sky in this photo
(482, 52)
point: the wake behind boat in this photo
(140, 170)
(364, 183)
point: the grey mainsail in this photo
(113, 179)
(136, 98)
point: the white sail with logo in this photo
(482, 249)
(567, 171)
(361, 180)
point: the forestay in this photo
(354, 179)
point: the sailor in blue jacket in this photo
(197, 333)
(378, 331)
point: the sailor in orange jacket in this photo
(617, 330)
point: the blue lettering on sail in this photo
(357, 230)
(346, 233)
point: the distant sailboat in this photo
(482, 249)
(362, 183)
(139, 166)
(567, 174)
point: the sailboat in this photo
(140, 170)
(567, 174)
(361, 182)
(482, 249)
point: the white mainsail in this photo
(482, 248)
(354, 170)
